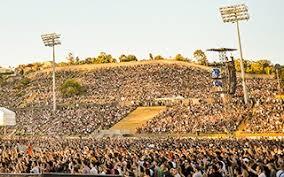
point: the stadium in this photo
(150, 117)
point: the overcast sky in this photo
(140, 27)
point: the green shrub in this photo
(25, 81)
(124, 58)
(2, 80)
(179, 57)
(71, 87)
(158, 57)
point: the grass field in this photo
(137, 118)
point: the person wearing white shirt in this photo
(93, 170)
(280, 172)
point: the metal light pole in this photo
(51, 40)
(234, 14)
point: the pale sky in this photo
(139, 27)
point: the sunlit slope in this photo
(137, 118)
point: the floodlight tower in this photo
(234, 14)
(51, 40)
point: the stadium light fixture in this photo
(51, 40)
(234, 14)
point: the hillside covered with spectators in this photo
(111, 91)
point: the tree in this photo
(264, 64)
(70, 58)
(158, 57)
(105, 58)
(247, 66)
(200, 56)
(124, 58)
(89, 60)
(269, 70)
(132, 58)
(256, 68)
(238, 65)
(179, 57)
(36, 66)
(77, 60)
(62, 64)
(71, 87)
(151, 56)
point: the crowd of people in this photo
(78, 120)
(204, 117)
(144, 157)
(112, 84)
(263, 116)
(262, 88)
(139, 84)
(111, 93)
(268, 116)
